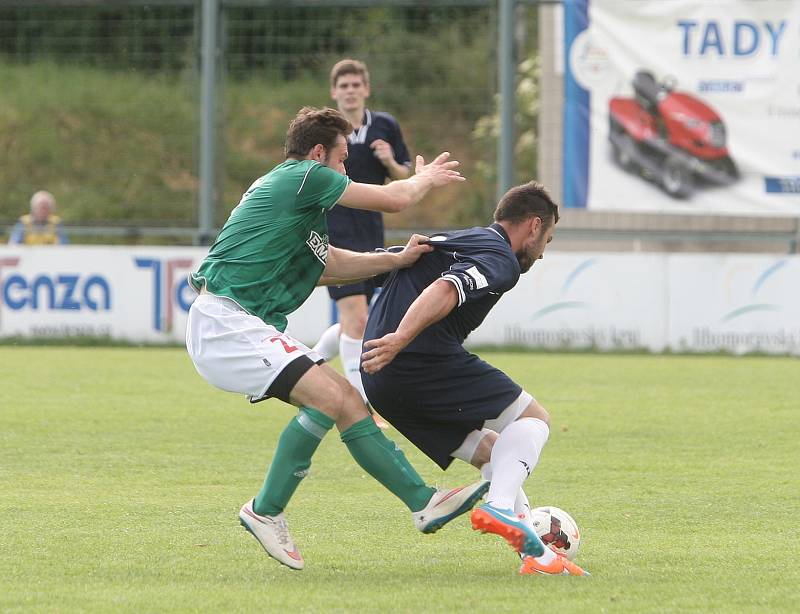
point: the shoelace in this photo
(283, 533)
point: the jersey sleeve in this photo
(399, 148)
(322, 187)
(478, 274)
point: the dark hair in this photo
(312, 126)
(526, 201)
(349, 67)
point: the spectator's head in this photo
(319, 134)
(43, 204)
(350, 84)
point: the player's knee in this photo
(535, 410)
(483, 453)
(333, 401)
(353, 407)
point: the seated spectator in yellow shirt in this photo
(41, 226)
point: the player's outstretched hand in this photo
(380, 352)
(441, 171)
(412, 251)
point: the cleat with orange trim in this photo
(520, 536)
(272, 533)
(560, 566)
(448, 504)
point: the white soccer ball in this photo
(557, 529)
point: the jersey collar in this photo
(359, 135)
(500, 230)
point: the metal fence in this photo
(102, 102)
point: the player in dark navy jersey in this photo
(377, 154)
(447, 401)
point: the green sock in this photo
(297, 444)
(385, 462)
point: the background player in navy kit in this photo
(448, 402)
(377, 154)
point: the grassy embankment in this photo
(121, 147)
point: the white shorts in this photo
(237, 351)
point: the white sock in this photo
(514, 455)
(328, 344)
(548, 556)
(350, 352)
(522, 508)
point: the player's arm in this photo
(435, 302)
(384, 152)
(398, 171)
(344, 267)
(399, 195)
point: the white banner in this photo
(604, 301)
(683, 106)
(734, 303)
(579, 300)
(137, 294)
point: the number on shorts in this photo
(286, 346)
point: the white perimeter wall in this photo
(682, 302)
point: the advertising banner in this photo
(124, 293)
(602, 301)
(682, 106)
(137, 294)
(734, 303)
(583, 301)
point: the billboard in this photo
(581, 300)
(656, 302)
(682, 106)
(136, 294)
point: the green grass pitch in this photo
(122, 472)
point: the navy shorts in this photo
(436, 401)
(366, 287)
(358, 231)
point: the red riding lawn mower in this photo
(669, 137)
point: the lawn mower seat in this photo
(647, 90)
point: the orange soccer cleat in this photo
(560, 566)
(505, 523)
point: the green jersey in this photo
(271, 252)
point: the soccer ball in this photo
(557, 529)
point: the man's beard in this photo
(525, 260)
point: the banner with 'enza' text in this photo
(137, 294)
(602, 301)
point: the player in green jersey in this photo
(266, 261)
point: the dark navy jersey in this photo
(364, 167)
(480, 264)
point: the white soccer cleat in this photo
(448, 504)
(272, 533)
